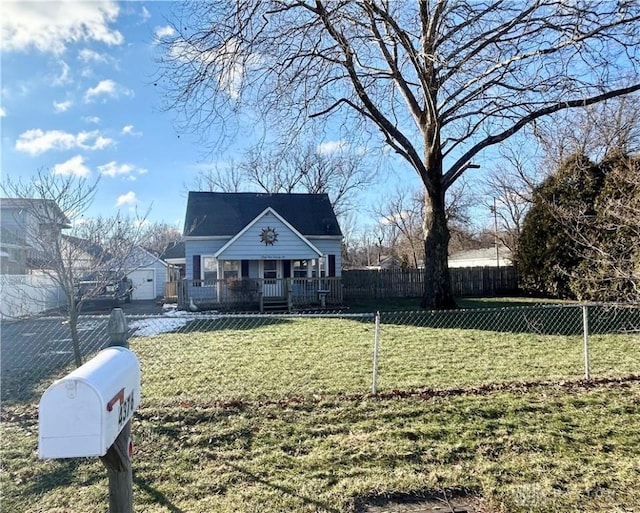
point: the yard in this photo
(275, 415)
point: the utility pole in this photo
(495, 231)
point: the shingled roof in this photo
(226, 213)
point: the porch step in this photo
(275, 304)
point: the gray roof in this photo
(226, 213)
(52, 212)
(173, 250)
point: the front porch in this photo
(258, 293)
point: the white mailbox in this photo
(83, 413)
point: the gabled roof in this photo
(173, 251)
(52, 212)
(215, 214)
(268, 211)
(91, 248)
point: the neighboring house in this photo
(386, 263)
(486, 257)
(24, 224)
(174, 256)
(249, 247)
(148, 274)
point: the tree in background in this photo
(580, 238)
(609, 246)
(158, 237)
(93, 251)
(608, 128)
(436, 82)
(340, 173)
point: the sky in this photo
(78, 98)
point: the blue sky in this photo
(78, 97)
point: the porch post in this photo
(219, 281)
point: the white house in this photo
(485, 257)
(247, 247)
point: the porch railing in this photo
(298, 292)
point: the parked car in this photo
(109, 294)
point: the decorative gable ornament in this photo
(268, 236)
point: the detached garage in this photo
(143, 282)
(148, 276)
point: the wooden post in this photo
(117, 459)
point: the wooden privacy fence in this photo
(465, 281)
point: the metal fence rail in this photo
(195, 358)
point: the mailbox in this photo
(83, 413)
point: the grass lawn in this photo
(549, 449)
(275, 416)
(410, 304)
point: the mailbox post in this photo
(118, 457)
(88, 413)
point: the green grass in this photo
(239, 416)
(320, 357)
(410, 304)
(547, 450)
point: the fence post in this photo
(376, 345)
(117, 460)
(585, 329)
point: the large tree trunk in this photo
(437, 280)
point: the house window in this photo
(209, 268)
(314, 268)
(300, 268)
(270, 270)
(231, 269)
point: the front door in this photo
(273, 282)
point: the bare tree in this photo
(293, 168)
(158, 237)
(596, 131)
(599, 130)
(508, 192)
(92, 253)
(226, 177)
(438, 81)
(401, 215)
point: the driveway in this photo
(37, 348)
(143, 307)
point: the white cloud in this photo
(144, 14)
(91, 119)
(126, 170)
(36, 141)
(87, 56)
(62, 106)
(128, 130)
(162, 32)
(127, 199)
(50, 26)
(106, 88)
(64, 76)
(72, 167)
(329, 147)
(232, 75)
(3, 112)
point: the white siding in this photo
(330, 247)
(288, 246)
(200, 247)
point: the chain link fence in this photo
(212, 359)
